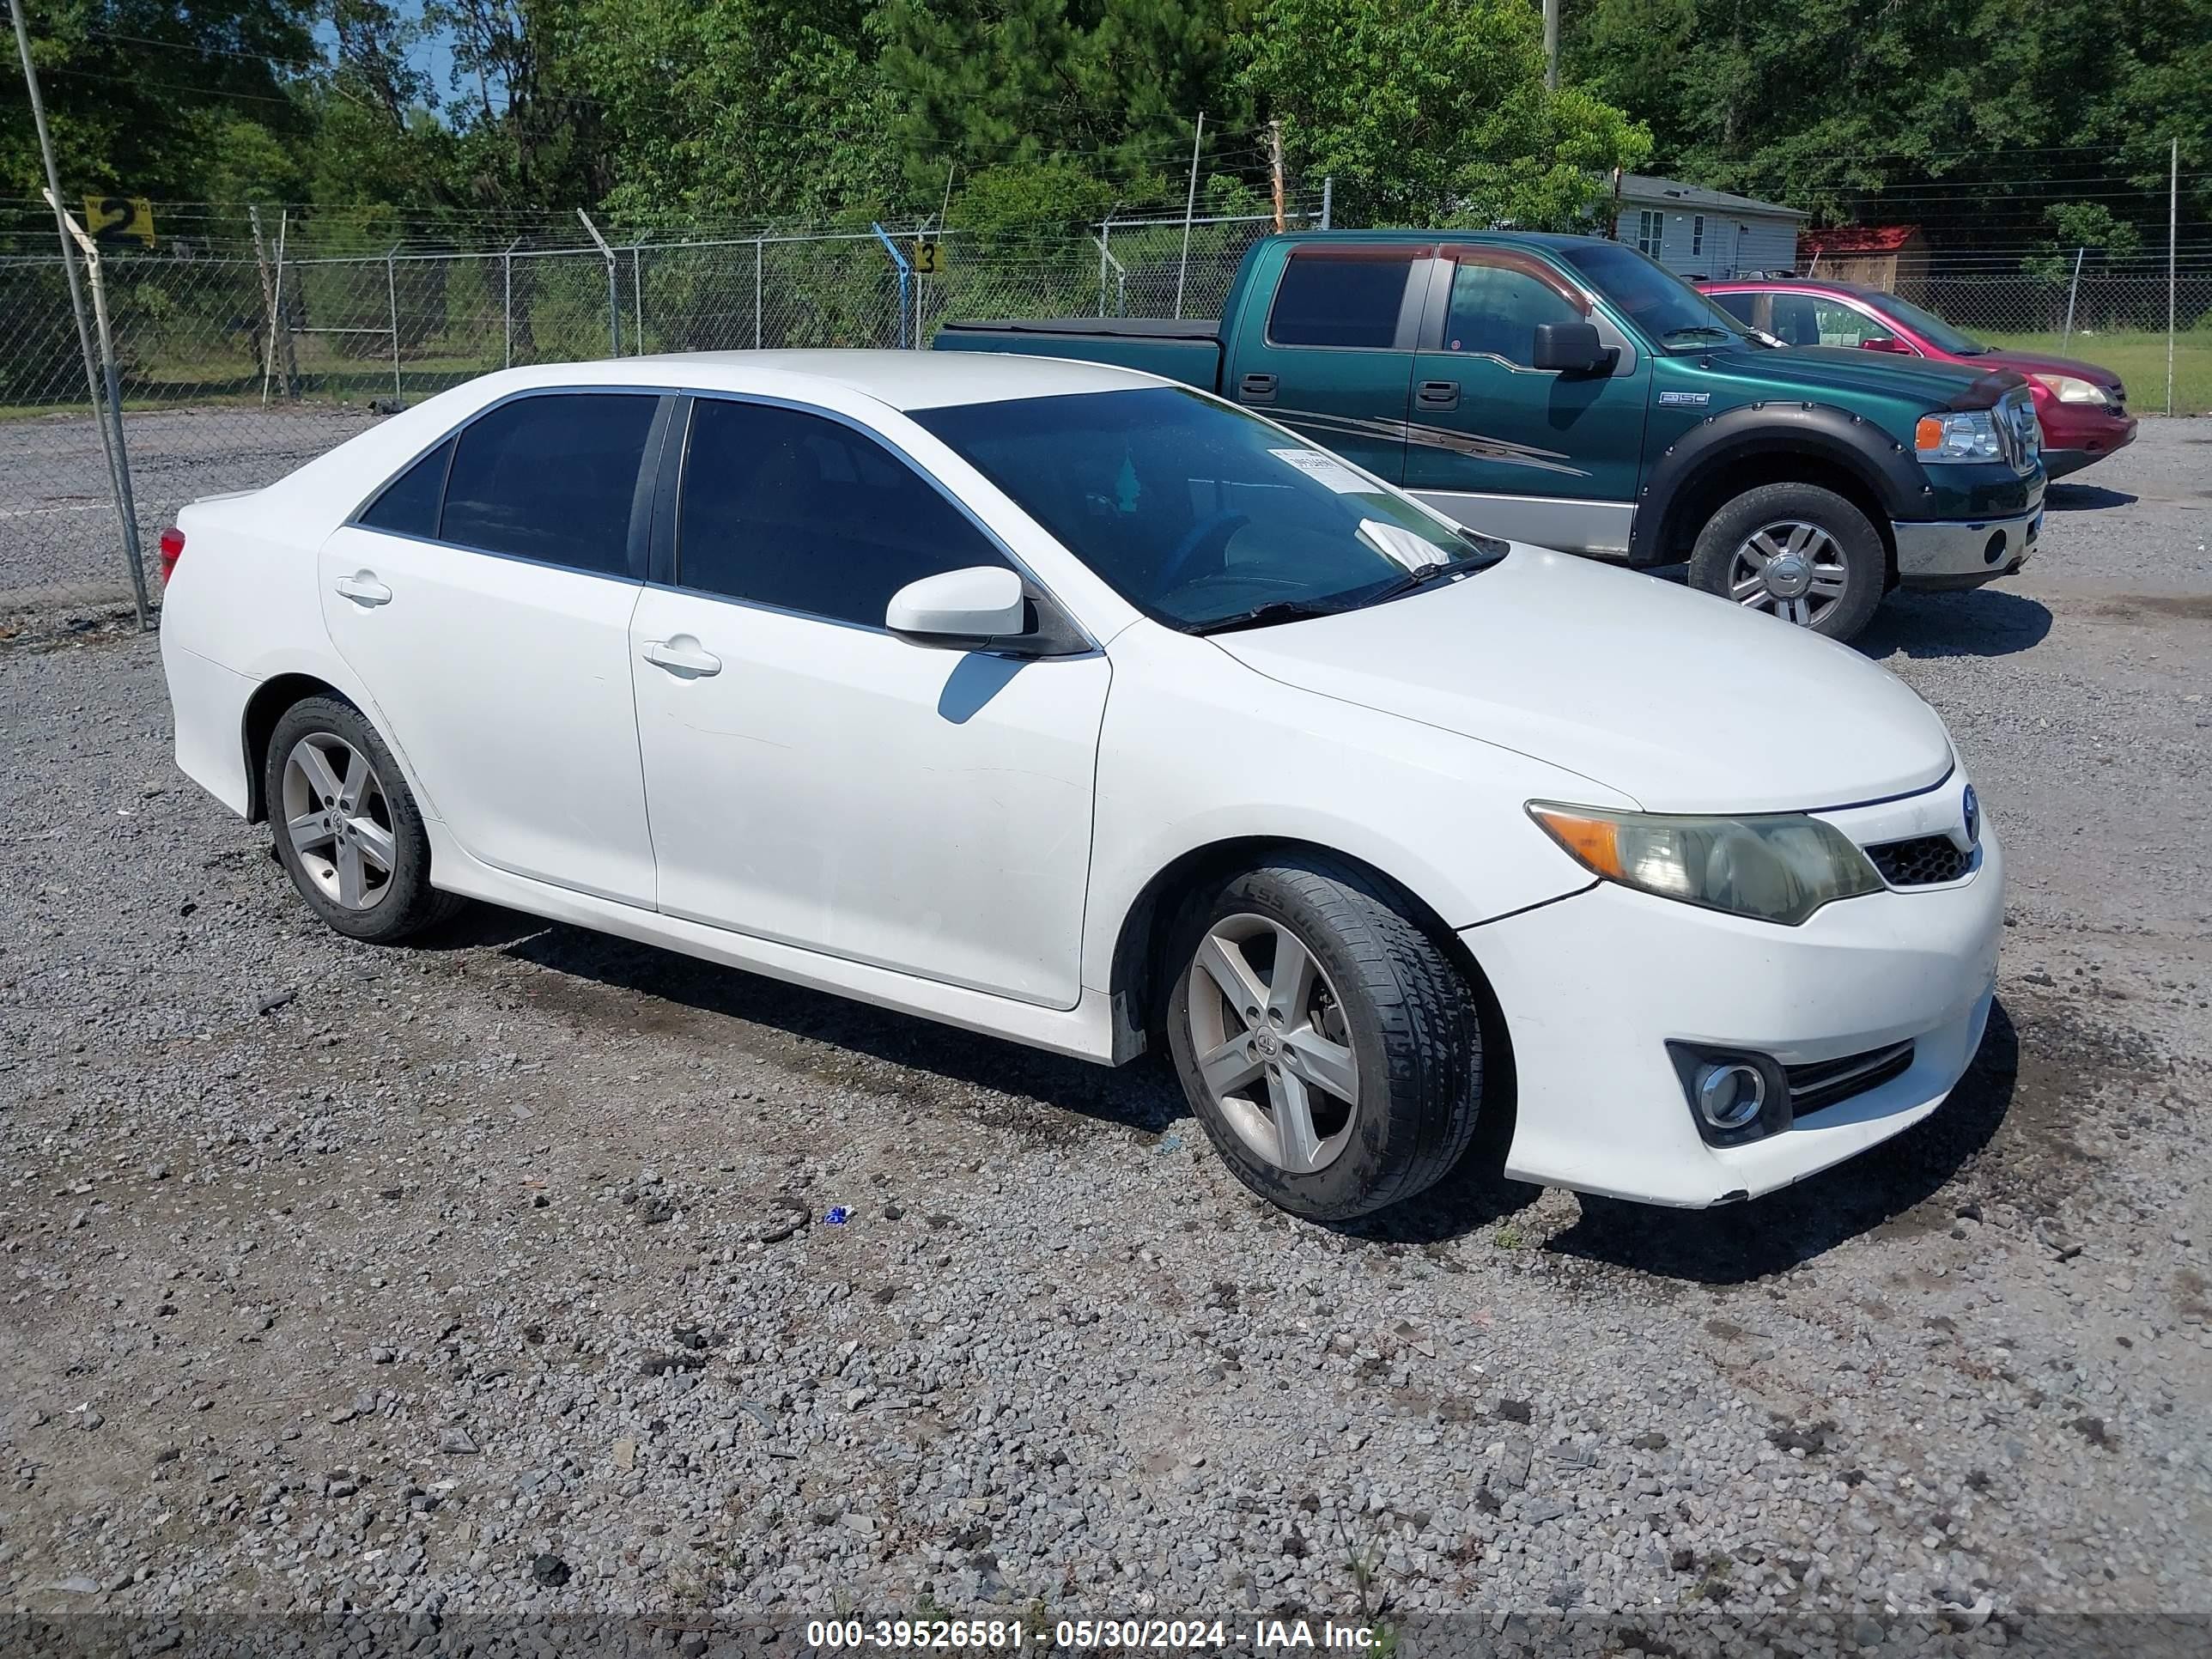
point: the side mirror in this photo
(1882, 342)
(1571, 348)
(959, 607)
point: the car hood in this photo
(1682, 702)
(1845, 369)
(2037, 363)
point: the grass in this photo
(2139, 359)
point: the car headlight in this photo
(2072, 389)
(1780, 868)
(1969, 434)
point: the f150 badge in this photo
(1684, 399)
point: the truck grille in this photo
(2020, 434)
(1830, 1082)
(1923, 861)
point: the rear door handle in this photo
(682, 657)
(363, 589)
(1437, 394)
(1257, 388)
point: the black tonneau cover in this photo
(1127, 328)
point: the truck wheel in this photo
(1328, 1047)
(1795, 551)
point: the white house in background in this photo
(1695, 232)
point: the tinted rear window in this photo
(408, 504)
(1342, 296)
(552, 478)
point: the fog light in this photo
(1731, 1094)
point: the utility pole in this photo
(1552, 45)
(1189, 207)
(111, 436)
(1275, 167)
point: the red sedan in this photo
(2083, 408)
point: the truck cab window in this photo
(1495, 309)
(1332, 295)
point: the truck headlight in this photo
(1780, 867)
(1968, 435)
(2072, 389)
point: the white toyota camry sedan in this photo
(1087, 710)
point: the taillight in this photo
(172, 548)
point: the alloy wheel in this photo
(1794, 569)
(1268, 1031)
(338, 820)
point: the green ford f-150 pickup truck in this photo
(1566, 391)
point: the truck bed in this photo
(1187, 349)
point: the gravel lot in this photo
(501, 1276)
(61, 544)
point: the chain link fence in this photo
(239, 358)
(237, 364)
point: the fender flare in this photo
(1879, 462)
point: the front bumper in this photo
(1963, 552)
(1593, 988)
(2076, 444)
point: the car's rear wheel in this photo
(1324, 1040)
(1795, 551)
(347, 829)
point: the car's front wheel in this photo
(1326, 1043)
(1795, 551)
(348, 831)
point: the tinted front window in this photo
(1665, 306)
(1495, 309)
(552, 478)
(1197, 513)
(408, 504)
(1931, 327)
(1737, 306)
(1341, 296)
(798, 512)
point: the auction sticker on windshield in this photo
(1323, 470)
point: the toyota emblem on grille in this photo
(1971, 806)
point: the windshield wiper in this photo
(1701, 330)
(1267, 615)
(1413, 580)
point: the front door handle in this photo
(1437, 394)
(363, 589)
(1257, 388)
(682, 657)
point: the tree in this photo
(1436, 111)
(154, 98)
(1969, 117)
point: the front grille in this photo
(2020, 434)
(1825, 1083)
(1921, 861)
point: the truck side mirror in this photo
(1571, 347)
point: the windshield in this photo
(1928, 325)
(1659, 302)
(1202, 516)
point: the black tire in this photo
(1405, 1013)
(405, 903)
(1864, 560)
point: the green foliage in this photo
(1436, 111)
(2084, 235)
(1968, 116)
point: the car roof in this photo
(1552, 238)
(901, 379)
